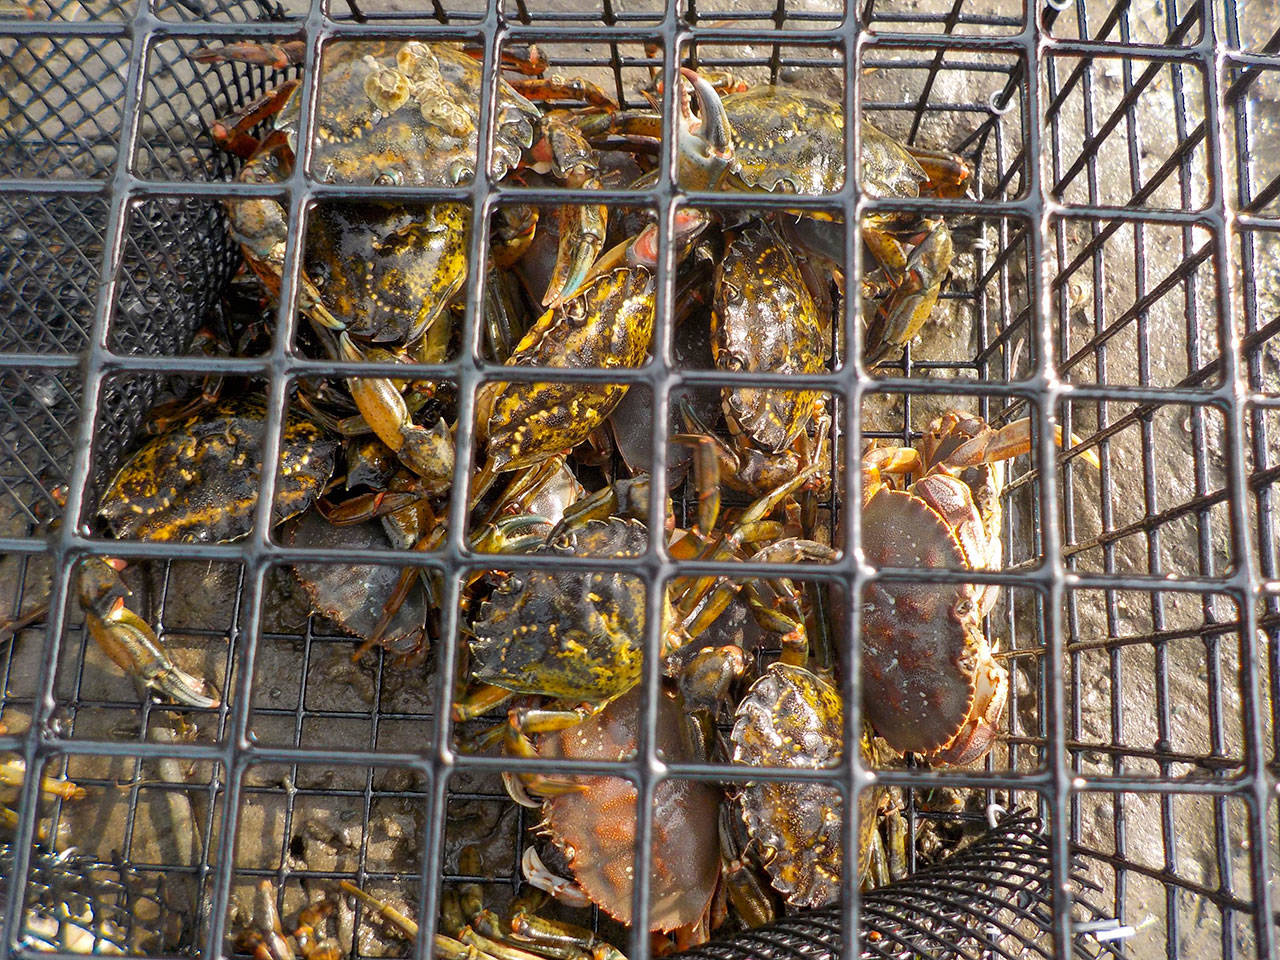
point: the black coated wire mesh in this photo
(1116, 272)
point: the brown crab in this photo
(591, 820)
(933, 686)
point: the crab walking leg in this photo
(446, 948)
(692, 614)
(742, 883)
(988, 446)
(13, 773)
(560, 939)
(908, 306)
(129, 641)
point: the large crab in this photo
(195, 483)
(390, 113)
(932, 684)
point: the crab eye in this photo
(389, 178)
(514, 583)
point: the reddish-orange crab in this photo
(932, 684)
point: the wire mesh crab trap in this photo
(1110, 267)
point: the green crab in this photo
(777, 139)
(390, 114)
(195, 483)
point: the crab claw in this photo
(983, 723)
(129, 641)
(427, 452)
(705, 141)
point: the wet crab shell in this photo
(569, 634)
(354, 596)
(406, 113)
(198, 481)
(608, 324)
(785, 140)
(765, 320)
(792, 718)
(792, 141)
(923, 646)
(387, 270)
(595, 828)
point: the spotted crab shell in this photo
(425, 133)
(595, 828)
(922, 642)
(198, 481)
(571, 634)
(792, 718)
(786, 140)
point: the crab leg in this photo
(905, 310)
(747, 894)
(540, 876)
(1011, 440)
(446, 948)
(275, 55)
(427, 452)
(128, 640)
(14, 772)
(559, 939)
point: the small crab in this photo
(591, 820)
(266, 939)
(356, 596)
(793, 718)
(577, 636)
(933, 686)
(195, 483)
(765, 320)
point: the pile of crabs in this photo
(552, 652)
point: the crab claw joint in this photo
(706, 141)
(129, 641)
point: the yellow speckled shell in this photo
(610, 325)
(198, 481)
(765, 320)
(792, 718)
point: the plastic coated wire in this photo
(1036, 211)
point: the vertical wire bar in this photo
(1255, 786)
(854, 569)
(469, 380)
(1045, 380)
(37, 735)
(238, 752)
(658, 567)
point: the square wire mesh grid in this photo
(1116, 271)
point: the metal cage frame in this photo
(1050, 53)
